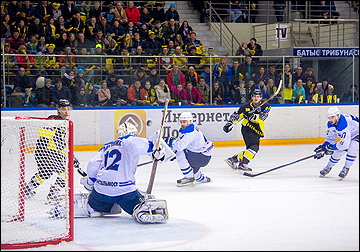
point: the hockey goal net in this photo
(36, 151)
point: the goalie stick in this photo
(281, 166)
(83, 173)
(153, 170)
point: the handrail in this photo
(223, 23)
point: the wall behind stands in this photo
(296, 124)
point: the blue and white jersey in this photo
(192, 139)
(114, 166)
(347, 129)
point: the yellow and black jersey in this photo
(52, 139)
(257, 123)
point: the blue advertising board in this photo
(326, 51)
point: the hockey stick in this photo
(270, 98)
(83, 173)
(281, 166)
(153, 170)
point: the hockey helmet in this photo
(186, 116)
(333, 111)
(63, 103)
(125, 129)
(257, 92)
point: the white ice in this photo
(287, 209)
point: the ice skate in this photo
(54, 195)
(186, 182)
(325, 171)
(244, 167)
(28, 192)
(58, 212)
(232, 161)
(343, 173)
(205, 180)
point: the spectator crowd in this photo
(82, 53)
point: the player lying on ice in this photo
(111, 179)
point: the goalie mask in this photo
(125, 129)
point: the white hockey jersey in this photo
(347, 129)
(113, 168)
(192, 139)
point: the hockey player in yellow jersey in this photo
(252, 117)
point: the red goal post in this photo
(28, 222)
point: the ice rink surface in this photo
(287, 209)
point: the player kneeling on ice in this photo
(253, 116)
(111, 179)
(344, 126)
(193, 151)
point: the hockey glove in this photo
(159, 154)
(329, 149)
(169, 140)
(76, 162)
(249, 116)
(228, 127)
(320, 151)
(87, 183)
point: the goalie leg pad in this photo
(151, 211)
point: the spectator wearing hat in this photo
(172, 13)
(80, 78)
(351, 95)
(111, 80)
(81, 98)
(120, 14)
(105, 27)
(255, 49)
(133, 14)
(158, 13)
(56, 11)
(99, 61)
(152, 46)
(195, 59)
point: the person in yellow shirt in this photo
(181, 61)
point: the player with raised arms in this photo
(346, 127)
(193, 151)
(253, 116)
(111, 179)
